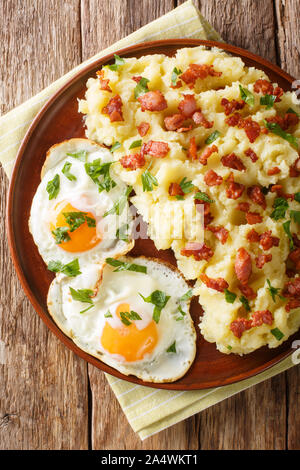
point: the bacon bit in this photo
(199, 119)
(174, 122)
(156, 149)
(277, 188)
(207, 153)
(243, 266)
(266, 240)
(114, 109)
(195, 71)
(208, 217)
(220, 232)
(250, 153)
(185, 129)
(218, 284)
(153, 101)
(294, 256)
(143, 128)
(247, 291)
(231, 106)
(243, 206)
(278, 92)
(187, 106)
(273, 171)
(103, 83)
(240, 325)
(199, 251)
(253, 236)
(256, 195)
(178, 84)
(211, 178)
(133, 161)
(292, 288)
(233, 161)
(293, 303)
(262, 259)
(192, 150)
(295, 169)
(175, 190)
(263, 86)
(253, 218)
(234, 190)
(262, 316)
(233, 120)
(289, 120)
(252, 128)
(137, 79)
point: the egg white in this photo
(113, 288)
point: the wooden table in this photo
(49, 398)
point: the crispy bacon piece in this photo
(192, 150)
(187, 106)
(195, 71)
(207, 153)
(262, 316)
(208, 217)
(273, 171)
(252, 128)
(133, 161)
(243, 206)
(200, 251)
(104, 83)
(233, 120)
(295, 169)
(233, 161)
(185, 129)
(155, 149)
(266, 240)
(289, 120)
(211, 178)
(143, 128)
(220, 232)
(153, 101)
(247, 291)
(175, 190)
(294, 256)
(232, 106)
(263, 86)
(253, 236)
(293, 303)
(256, 195)
(250, 153)
(114, 109)
(174, 122)
(234, 190)
(262, 259)
(240, 325)
(136, 78)
(292, 288)
(253, 218)
(218, 284)
(199, 119)
(243, 266)
(277, 188)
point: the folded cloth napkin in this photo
(147, 410)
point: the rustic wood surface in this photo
(49, 398)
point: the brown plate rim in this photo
(9, 212)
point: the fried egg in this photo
(80, 209)
(134, 316)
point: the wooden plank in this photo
(288, 24)
(43, 397)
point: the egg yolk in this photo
(82, 238)
(128, 341)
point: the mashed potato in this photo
(235, 145)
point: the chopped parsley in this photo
(71, 269)
(123, 266)
(172, 348)
(120, 204)
(276, 129)
(268, 101)
(245, 303)
(295, 215)
(277, 333)
(187, 296)
(96, 169)
(135, 144)
(297, 197)
(141, 88)
(66, 172)
(121, 233)
(230, 296)
(82, 295)
(274, 291)
(61, 235)
(181, 312)
(108, 314)
(280, 206)
(127, 316)
(174, 77)
(80, 155)
(286, 227)
(229, 347)
(118, 62)
(212, 137)
(115, 146)
(52, 187)
(148, 180)
(246, 96)
(186, 186)
(202, 197)
(76, 219)
(159, 299)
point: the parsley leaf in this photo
(175, 73)
(187, 296)
(127, 316)
(61, 235)
(274, 291)
(115, 146)
(108, 314)
(172, 348)
(66, 172)
(71, 269)
(246, 96)
(186, 186)
(277, 333)
(75, 219)
(148, 180)
(121, 233)
(297, 197)
(268, 101)
(52, 187)
(96, 169)
(159, 299)
(296, 216)
(245, 303)
(141, 88)
(135, 144)
(120, 204)
(181, 312)
(202, 197)
(123, 266)
(82, 295)
(80, 155)
(118, 62)
(276, 129)
(287, 229)
(212, 137)
(230, 296)
(280, 206)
